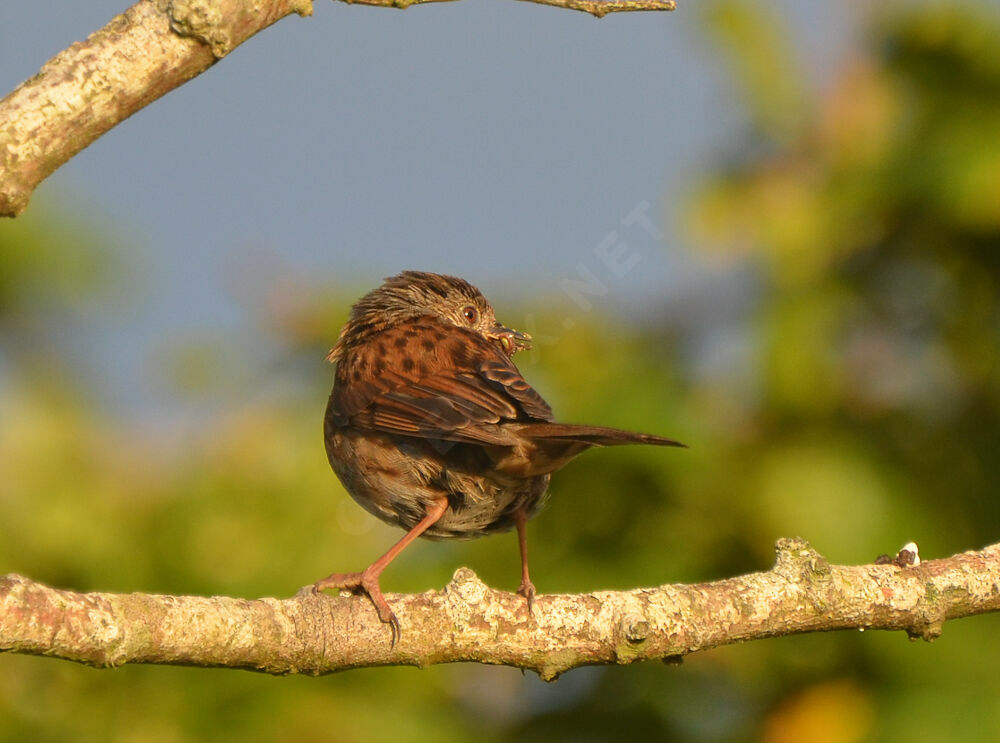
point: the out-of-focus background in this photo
(804, 206)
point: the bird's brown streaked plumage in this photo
(430, 426)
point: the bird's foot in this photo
(363, 582)
(527, 589)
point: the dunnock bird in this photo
(431, 427)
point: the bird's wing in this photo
(457, 387)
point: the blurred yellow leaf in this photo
(833, 712)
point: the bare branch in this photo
(142, 54)
(469, 621)
(597, 8)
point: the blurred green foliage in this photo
(858, 408)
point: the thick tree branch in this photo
(142, 54)
(469, 621)
(147, 51)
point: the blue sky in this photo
(501, 141)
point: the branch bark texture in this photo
(142, 54)
(468, 621)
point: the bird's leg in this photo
(367, 579)
(527, 588)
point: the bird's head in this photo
(414, 294)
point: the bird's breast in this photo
(396, 478)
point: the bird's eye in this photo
(471, 314)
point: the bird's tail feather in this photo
(595, 435)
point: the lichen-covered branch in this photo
(469, 621)
(142, 54)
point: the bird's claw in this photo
(527, 589)
(363, 582)
(393, 628)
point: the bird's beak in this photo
(510, 341)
